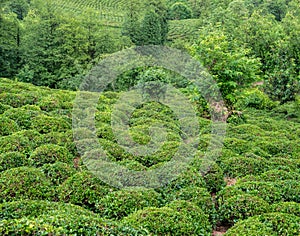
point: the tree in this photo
(231, 65)
(148, 28)
(179, 11)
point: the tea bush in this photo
(241, 166)
(126, 201)
(4, 107)
(267, 224)
(50, 153)
(241, 207)
(15, 143)
(254, 98)
(17, 184)
(8, 126)
(271, 176)
(35, 208)
(22, 116)
(198, 196)
(10, 160)
(46, 124)
(292, 208)
(198, 219)
(164, 221)
(83, 189)
(58, 172)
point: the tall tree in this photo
(151, 27)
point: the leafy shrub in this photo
(114, 150)
(4, 107)
(213, 175)
(267, 224)
(266, 190)
(163, 221)
(189, 177)
(279, 163)
(10, 160)
(8, 126)
(241, 166)
(50, 103)
(24, 183)
(250, 227)
(62, 139)
(132, 165)
(199, 196)
(58, 172)
(83, 189)
(254, 98)
(272, 176)
(35, 208)
(50, 153)
(15, 143)
(198, 219)
(286, 207)
(18, 99)
(104, 131)
(46, 124)
(179, 11)
(240, 207)
(124, 202)
(237, 145)
(21, 116)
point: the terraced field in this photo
(46, 189)
(112, 13)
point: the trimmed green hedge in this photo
(10, 160)
(200, 197)
(83, 189)
(23, 116)
(267, 224)
(58, 172)
(241, 207)
(286, 207)
(124, 202)
(167, 221)
(50, 153)
(46, 124)
(8, 126)
(24, 183)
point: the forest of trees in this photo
(240, 42)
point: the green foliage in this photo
(228, 62)
(17, 184)
(8, 126)
(10, 160)
(58, 172)
(254, 98)
(50, 153)
(15, 142)
(198, 196)
(241, 207)
(46, 124)
(23, 117)
(83, 189)
(179, 11)
(198, 219)
(267, 224)
(124, 202)
(292, 208)
(241, 166)
(165, 221)
(148, 28)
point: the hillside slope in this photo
(43, 177)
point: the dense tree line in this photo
(239, 41)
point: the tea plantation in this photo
(45, 189)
